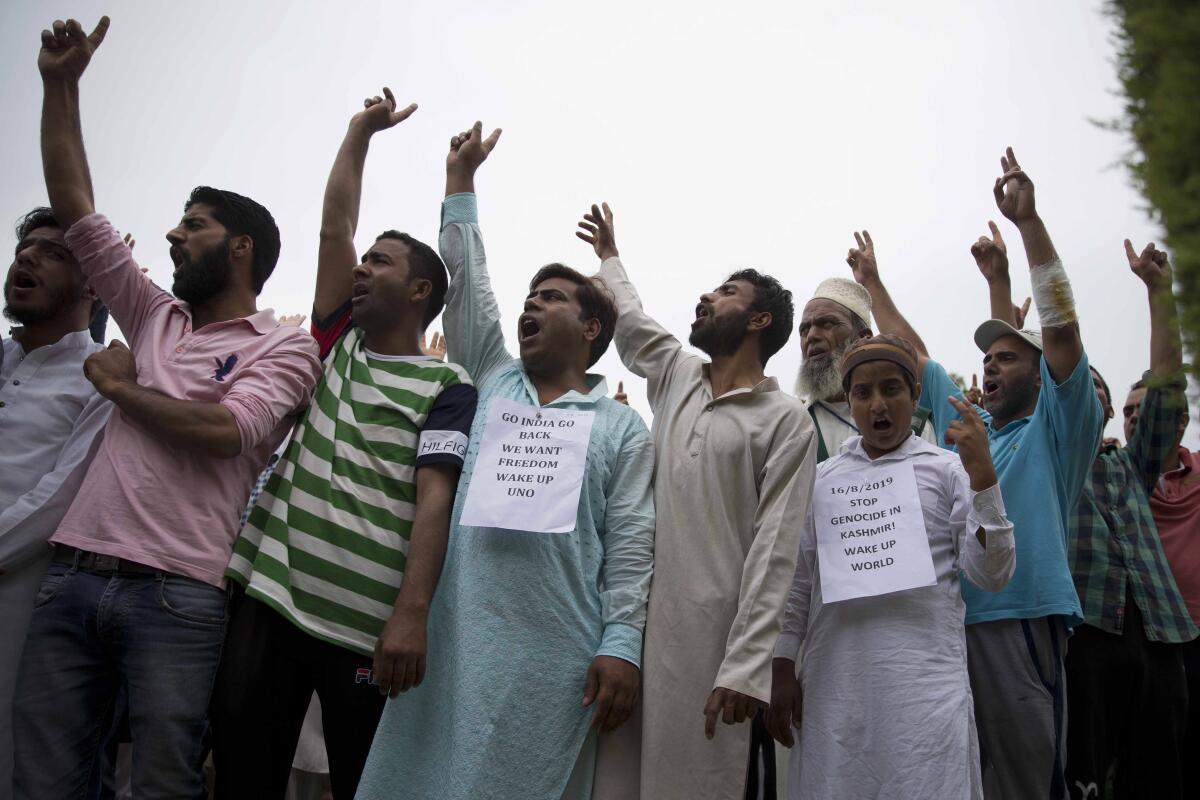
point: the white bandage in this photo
(1052, 295)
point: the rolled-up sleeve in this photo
(628, 546)
(275, 386)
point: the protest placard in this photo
(871, 536)
(529, 470)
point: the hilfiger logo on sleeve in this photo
(224, 367)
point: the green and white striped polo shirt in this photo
(326, 544)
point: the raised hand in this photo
(66, 50)
(291, 320)
(862, 259)
(970, 435)
(1152, 266)
(597, 230)
(991, 255)
(974, 395)
(1014, 191)
(435, 348)
(469, 149)
(620, 396)
(1021, 312)
(379, 113)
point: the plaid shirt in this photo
(1113, 543)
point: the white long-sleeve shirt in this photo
(887, 702)
(49, 415)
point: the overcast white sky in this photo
(724, 136)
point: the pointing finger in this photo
(100, 31)
(974, 381)
(387, 95)
(1130, 253)
(995, 232)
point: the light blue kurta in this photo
(518, 617)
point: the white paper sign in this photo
(529, 470)
(871, 535)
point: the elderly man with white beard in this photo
(838, 315)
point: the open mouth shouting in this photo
(703, 312)
(881, 425)
(990, 388)
(527, 328)
(177, 259)
(21, 284)
(361, 290)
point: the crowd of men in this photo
(501, 584)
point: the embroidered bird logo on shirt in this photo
(224, 368)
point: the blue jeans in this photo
(159, 636)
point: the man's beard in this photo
(820, 378)
(1017, 397)
(719, 336)
(201, 280)
(58, 302)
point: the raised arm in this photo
(1153, 437)
(474, 337)
(887, 316)
(645, 347)
(991, 256)
(1062, 346)
(1166, 352)
(343, 191)
(64, 56)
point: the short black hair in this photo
(424, 263)
(241, 216)
(595, 303)
(40, 217)
(769, 296)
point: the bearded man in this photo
(735, 462)
(135, 594)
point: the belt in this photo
(97, 562)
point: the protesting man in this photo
(1126, 687)
(49, 415)
(135, 595)
(735, 463)
(1175, 504)
(883, 707)
(537, 622)
(342, 554)
(838, 315)
(1043, 422)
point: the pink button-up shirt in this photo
(143, 499)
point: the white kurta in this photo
(887, 704)
(732, 481)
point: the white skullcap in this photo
(846, 293)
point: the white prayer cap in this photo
(846, 293)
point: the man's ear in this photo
(591, 329)
(759, 321)
(241, 247)
(420, 289)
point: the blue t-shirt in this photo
(1042, 462)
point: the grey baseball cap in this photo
(993, 329)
